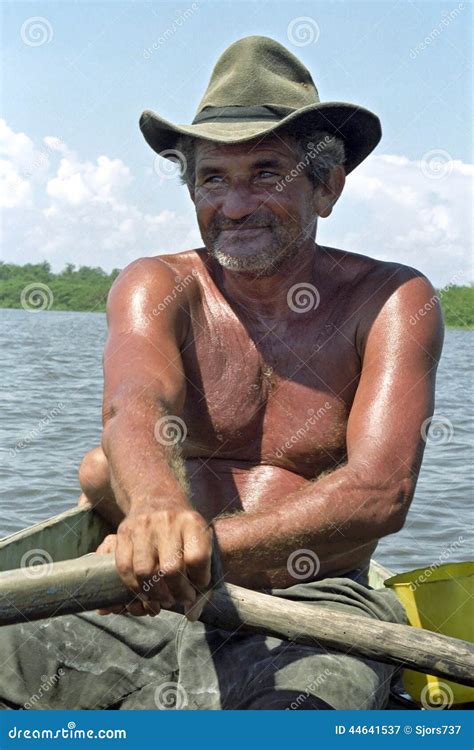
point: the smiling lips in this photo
(244, 230)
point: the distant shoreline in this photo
(35, 287)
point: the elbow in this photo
(396, 503)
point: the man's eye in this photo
(265, 174)
(214, 179)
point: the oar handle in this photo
(92, 582)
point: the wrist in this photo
(152, 503)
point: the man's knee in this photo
(94, 474)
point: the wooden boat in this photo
(79, 531)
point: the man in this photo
(263, 394)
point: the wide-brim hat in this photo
(257, 88)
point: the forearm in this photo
(332, 517)
(146, 473)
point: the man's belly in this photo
(221, 486)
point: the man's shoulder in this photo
(160, 275)
(373, 279)
(398, 292)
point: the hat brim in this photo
(359, 128)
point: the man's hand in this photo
(164, 557)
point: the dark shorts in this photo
(89, 661)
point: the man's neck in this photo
(267, 296)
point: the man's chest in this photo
(267, 393)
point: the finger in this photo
(137, 608)
(118, 610)
(149, 575)
(194, 612)
(145, 562)
(107, 546)
(173, 567)
(197, 547)
(159, 592)
(124, 561)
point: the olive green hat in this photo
(257, 88)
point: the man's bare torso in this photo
(267, 401)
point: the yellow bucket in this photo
(440, 599)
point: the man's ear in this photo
(327, 194)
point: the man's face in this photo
(251, 218)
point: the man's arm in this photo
(369, 497)
(144, 382)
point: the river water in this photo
(51, 401)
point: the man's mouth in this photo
(244, 230)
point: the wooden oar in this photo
(91, 582)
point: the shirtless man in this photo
(235, 358)
(263, 393)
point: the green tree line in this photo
(86, 289)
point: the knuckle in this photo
(143, 569)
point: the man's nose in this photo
(239, 202)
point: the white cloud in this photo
(413, 212)
(63, 209)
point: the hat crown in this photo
(257, 71)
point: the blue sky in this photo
(101, 64)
